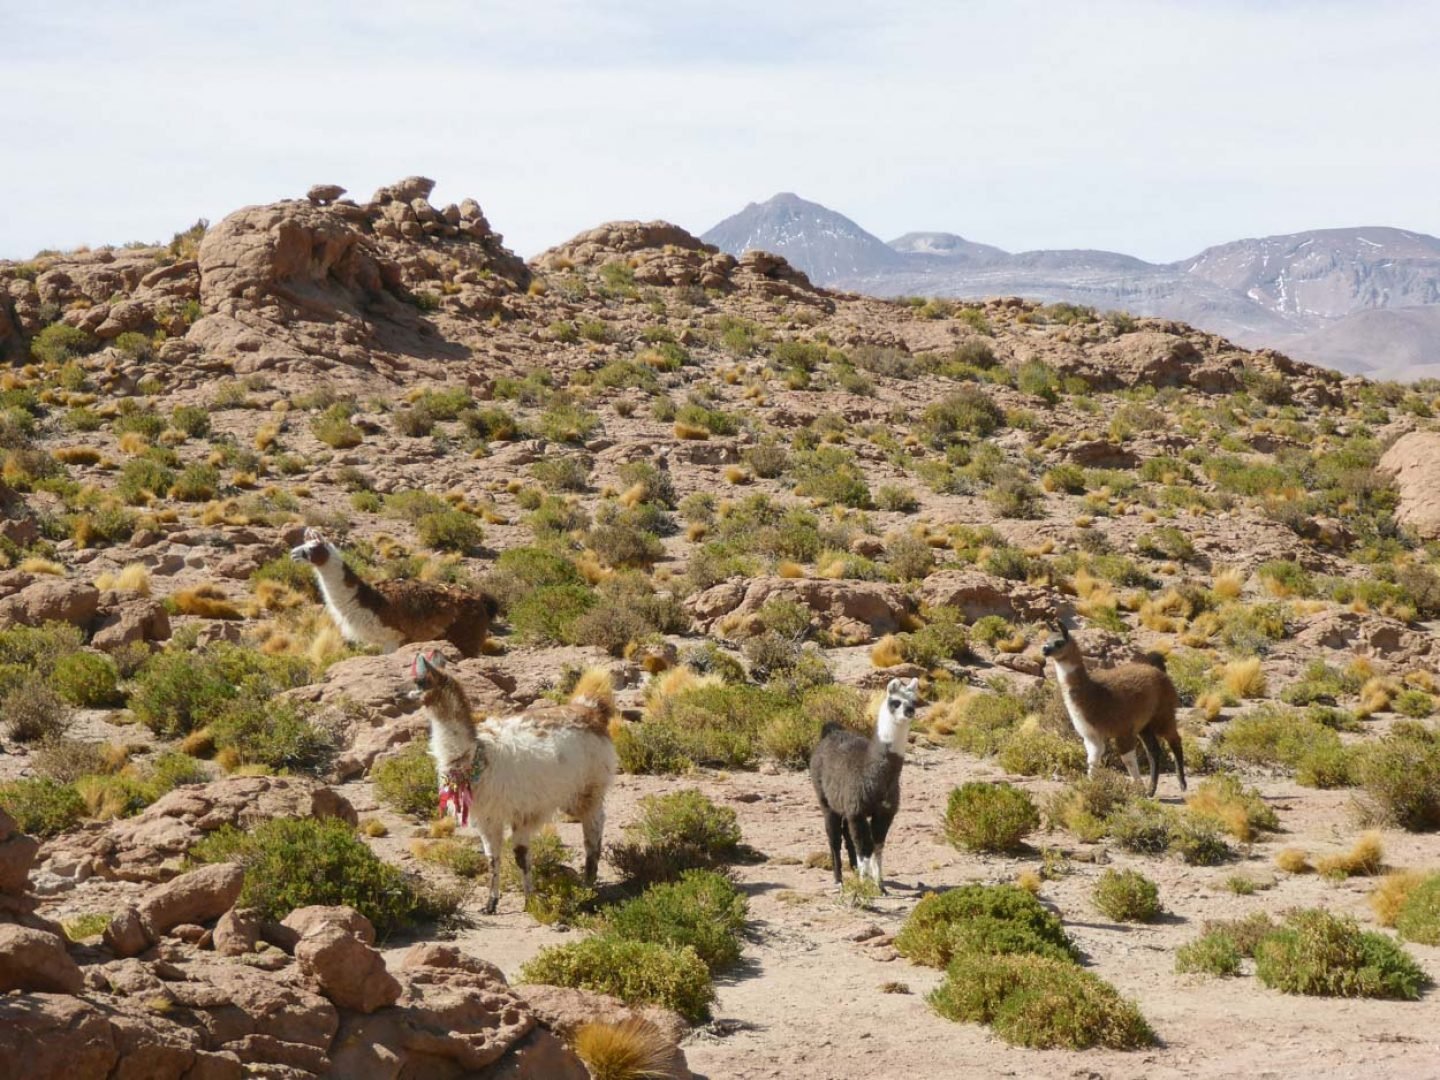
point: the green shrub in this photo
(566, 422)
(792, 735)
(967, 412)
(333, 427)
(1319, 953)
(703, 910)
(192, 420)
(1198, 841)
(989, 817)
(42, 807)
(88, 680)
(985, 918)
(1419, 916)
(1033, 751)
(177, 691)
(569, 472)
(33, 711)
(279, 734)
(39, 648)
(710, 725)
(295, 862)
(196, 483)
(143, 478)
(450, 530)
(1401, 777)
(559, 894)
(1213, 953)
(407, 781)
(1142, 826)
(1274, 735)
(1039, 1002)
(1126, 896)
(680, 831)
(58, 343)
(985, 721)
(830, 474)
(637, 972)
(1415, 704)
(548, 615)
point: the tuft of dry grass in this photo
(1366, 858)
(199, 743)
(1294, 861)
(206, 602)
(788, 569)
(1244, 678)
(633, 1049)
(77, 455)
(133, 443)
(692, 432)
(886, 652)
(133, 578)
(374, 827)
(734, 474)
(1030, 881)
(36, 565)
(1229, 583)
(1390, 894)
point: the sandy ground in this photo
(811, 1003)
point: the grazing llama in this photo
(857, 781)
(389, 614)
(519, 770)
(1125, 703)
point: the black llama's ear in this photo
(1064, 630)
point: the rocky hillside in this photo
(1344, 298)
(752, 501)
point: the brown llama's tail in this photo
(594, 697)
(1155, 660)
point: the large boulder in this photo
(334, 950)
(852, 611)
(1414, 462)
(34, 960)
(196, 897)
(17, 855)
(977, 594)
(50, 599)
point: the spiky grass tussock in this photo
(206, 602)
(132, 578)
(1388, 897)
(1228, 584)
(1294, 861)
(1244, 678)
(36, 565)
(633, 1049)
(887, 652)
(1366, 858)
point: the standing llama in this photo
(1125, 703)
(389, 614)
(519, 770)
(857, 781)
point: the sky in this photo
(1153, 127)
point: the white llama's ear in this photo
(437, 659)
(914, 686)
(314, 536)
(894, 687)
(418, 667)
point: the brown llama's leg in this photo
(592, 824)
(1152, 750)
(468, 632)
(493, 838)
(1177, 749)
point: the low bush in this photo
(1213, 953)
(40, 806)
(1126, 896)
(989, 817)
(636, 972)
(548, 615)
(1319, 953)
(1419, 916)
(1039, 1002)
(712, 725)
(279, 734)
(32, 711)
(1274, 735)
(89, 680)
(450, 530)
(1239, 810)
(1400, 775)
(558, 891)
(407, 781)
(985, 918)
(295, 862)
(703, 910)
(681, 831)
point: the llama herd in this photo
(521, 770)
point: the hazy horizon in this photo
(1155, 129)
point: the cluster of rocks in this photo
(110, 619)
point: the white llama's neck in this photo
(892, 730)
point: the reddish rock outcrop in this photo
(1414, 462)
(853, 611)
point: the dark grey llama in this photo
(857, 781)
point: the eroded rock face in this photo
(853, 611)
(977, 594)
(152, 845)
(348, 971)
(1414, 462)
(34, 960)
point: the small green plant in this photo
(989, 817)
(681, 831)
(450, 530)
(334, 428)
(1039, 1002)
(983, 918)
(89, 680)
(1126, 896)
(279, 734)
(1319, 953)
(32, 711)
(41, 806)
(407, 781)
(295, 862)
(1419, 916)
(1212, 953)
(1401, 777)
(637, 972)
(703, 910)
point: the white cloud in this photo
(1151, 127)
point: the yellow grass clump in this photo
(635, 494)
(788, 569)
(734, 474)
(695, 531)
(692, 432)
(1376, 695)
(267, 436)
(1420, 679)
(132, 442)
(1209, 704)
(1029, 880)
(272, 595)
(1365, 859)
(1294, 861)
(206, 602)
(633, 1049)
(374, 827)
(1229, 583)
(1244, 678)
(676, 681)
(886, 652)
(37, 565)
(1390, 894)
(77, 455)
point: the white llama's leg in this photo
(877, 866)
(521, 833)
(1094, 751)
(593, 826)
(1132, 764)
(493, 837)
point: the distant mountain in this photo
(1361, 300)
(825, 245)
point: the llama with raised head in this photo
(1135, 701)
(857, 781)
(389, 614)
(518, 770)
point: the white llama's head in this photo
(897, 710)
